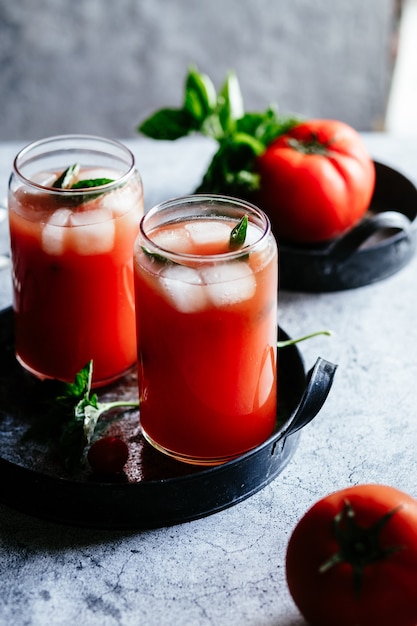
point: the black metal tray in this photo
(380, 245)
(154, 490)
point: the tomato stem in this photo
(312, 145)
(359, 545)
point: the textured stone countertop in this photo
(228, 568)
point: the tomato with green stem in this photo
(315, 181)
(352, 559)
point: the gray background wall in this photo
(100, 66)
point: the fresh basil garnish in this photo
(158, 258)
(238, 234)
(92, 182)
(65, 179)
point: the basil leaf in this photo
(200, 95)
(252, 143)
(238, 234)
(65, 179)
(265, 126)
(230, 103)
(158, 258)
(91, 182)
(231, 170)
(169, 124)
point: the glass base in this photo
(191, 460)
(95, 384)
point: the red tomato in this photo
(108, 455)
(316, 181)
(375, 582)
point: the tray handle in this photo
(343, 248)
(319, 382)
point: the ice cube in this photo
(204, 232)
(60, 217)
(121, 200)
(130, 220)
(99, 172)
(54, 232)
(46, 179)
(229, 283)
(91, 232)
(93, 216)
(53, 239)
(173, 239)
(253, 234)
(184, 288)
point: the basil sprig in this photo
(241, 136)
(69, 415)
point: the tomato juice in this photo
(207, 334)
(73, 275)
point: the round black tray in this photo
(380, 245)
(154, 490)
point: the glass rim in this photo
(76, 137)
(194, 199)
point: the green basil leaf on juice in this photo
(238, 234)
(65, 180)
(158, 258)
(91, 182)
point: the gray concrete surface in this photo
(100, 66)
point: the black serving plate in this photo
(380, 245)
(154, 490)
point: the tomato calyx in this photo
(310, 145)
(359, 545)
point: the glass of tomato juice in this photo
(206, 311)
(75, 203)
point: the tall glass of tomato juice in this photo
(75, 203)
(206, 312)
